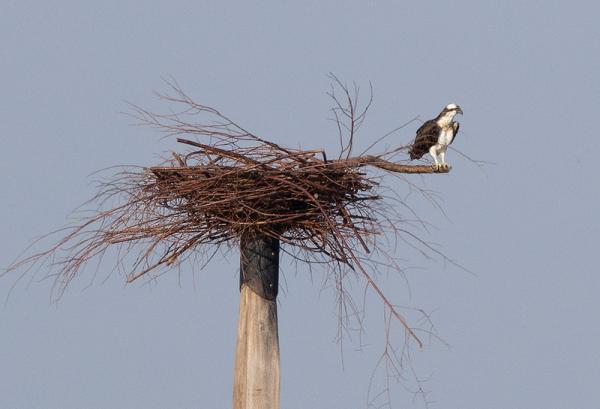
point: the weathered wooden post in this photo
(256, 377)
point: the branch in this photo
(370, 160)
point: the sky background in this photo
(523, 331)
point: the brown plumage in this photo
(427, 136)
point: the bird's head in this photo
(452, 108)
(448, 113)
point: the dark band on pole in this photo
(259, 265)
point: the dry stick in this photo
(222, 152)
(386, 301)
(375, 161)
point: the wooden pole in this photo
(256, 379)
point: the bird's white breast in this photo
(446, 136)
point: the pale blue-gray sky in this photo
(523, 332)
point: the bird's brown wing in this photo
(427, 136)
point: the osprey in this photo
(435, 135)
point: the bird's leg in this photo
(443, 165)
(433, 153)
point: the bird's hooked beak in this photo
(459, 111)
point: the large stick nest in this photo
(233, 183)
(290, 195)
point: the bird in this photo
(435, 135)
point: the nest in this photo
(296, 197)
(293, 196)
